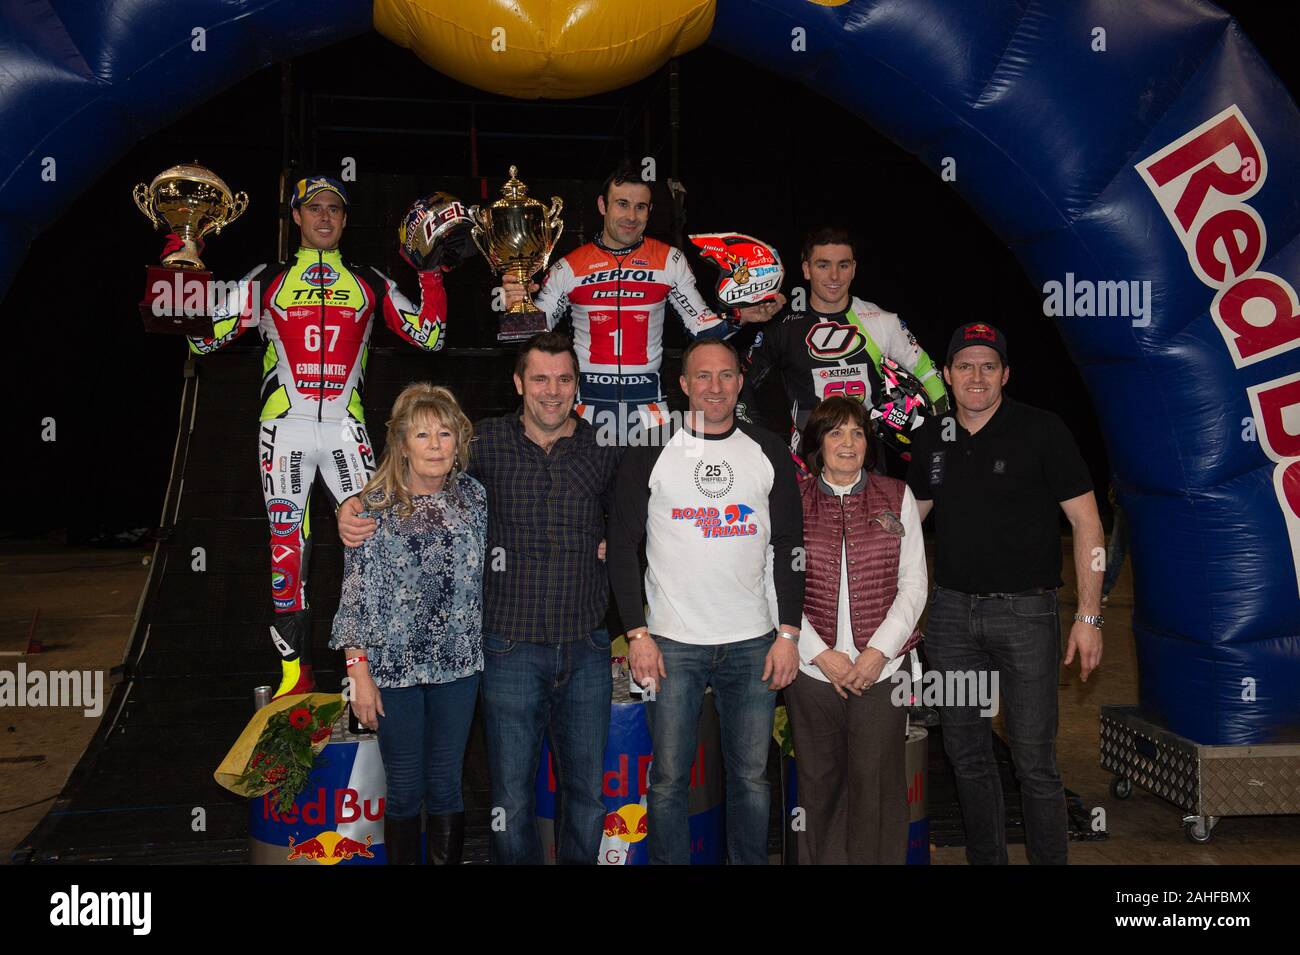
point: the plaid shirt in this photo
(542, 580)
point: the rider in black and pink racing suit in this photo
(315, 315)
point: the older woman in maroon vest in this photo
(864, 593)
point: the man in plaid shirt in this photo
(545, 593)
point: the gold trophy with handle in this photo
(517, 234)
(191, 201)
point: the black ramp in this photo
(201, 643)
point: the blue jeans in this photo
(745, 711)
(1020, 638)
(529, 689)
(422, 738)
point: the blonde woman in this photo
(410, 618)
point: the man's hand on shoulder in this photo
(354, 530)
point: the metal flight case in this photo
(1206, 782)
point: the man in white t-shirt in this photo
(710, 501)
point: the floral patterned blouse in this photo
(413, 593)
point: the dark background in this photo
(78, 353)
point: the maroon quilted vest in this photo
(830, 521)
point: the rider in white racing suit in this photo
(315, 315)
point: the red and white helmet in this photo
(751, 269)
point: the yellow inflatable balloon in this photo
(553, 48)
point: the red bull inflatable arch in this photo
(1141, 160)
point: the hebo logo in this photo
(831, 340)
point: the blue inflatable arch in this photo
(1105, 143)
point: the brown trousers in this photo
(850, 756)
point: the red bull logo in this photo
(620, 784)
(1203, 182)
(348, 806)
(627, 823)
(329, 848)
(981, 331)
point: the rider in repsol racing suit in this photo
(315, 315)
(616, 290)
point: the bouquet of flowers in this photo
(277, 750)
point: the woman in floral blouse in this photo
(410, 618)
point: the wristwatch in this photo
(1092, 620)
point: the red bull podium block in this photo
(916, 762)
(337, 820)
(628, 755)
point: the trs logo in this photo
(737, 513)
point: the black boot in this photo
(291, 634)
(445, 837)
(402, 840)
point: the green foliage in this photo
(284, 756)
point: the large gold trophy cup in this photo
(190, 201)
(517, 234)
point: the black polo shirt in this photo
(997, 496)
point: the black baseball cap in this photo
(977, 333)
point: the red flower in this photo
(300, 718)
(320, 734)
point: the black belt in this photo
(1036, 592)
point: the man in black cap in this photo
(995, 478)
